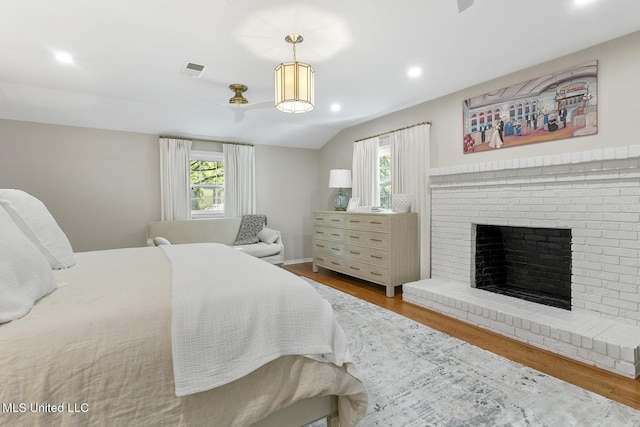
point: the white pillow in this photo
(25, 275)
(268, 235)
(36, 222)
(159, 241)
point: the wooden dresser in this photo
(379, 247)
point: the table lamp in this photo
(340, 178)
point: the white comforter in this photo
(100, 347)
(228, 322)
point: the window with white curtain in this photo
(384, 162)
(207, 184)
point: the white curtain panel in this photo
(365, 172)
(410, 168)
(239, 180)
(175, 182)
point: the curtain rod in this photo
(392, 131)
(206, 140)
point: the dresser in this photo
(378, 247)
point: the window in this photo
(207, 184)
(384, 161)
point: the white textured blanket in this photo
(240, 313)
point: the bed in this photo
(100, 345)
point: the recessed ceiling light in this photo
(414, 72)
(580, 3)
(335, 107)
(64, 57)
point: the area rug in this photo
(417, 376)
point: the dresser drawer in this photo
(330, 262)
(326, 219)
(326, 233)
(369, 255)
(378, 223)
(369, 272)
(367, 238)
(329, 247)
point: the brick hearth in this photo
(594, 193)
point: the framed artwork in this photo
(353, 204)
(557, 106)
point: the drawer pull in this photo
(354, 221)
(335, 263)
(354, 268)
(319, 232)
(319, 219)
(376, 274)
(376, 240)
(375, 222)
(319, 246)
(335, 249)
(335, 220)
(375, 256)
(355, 253)
(354, 237)
(335, 234)
(319, 259)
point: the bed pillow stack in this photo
(31, 246)
(25, 275)
(36, 222)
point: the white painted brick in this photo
(600, 347)
(603, 362)
(627, 369)
(613, 351)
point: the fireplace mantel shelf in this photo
(564, 159)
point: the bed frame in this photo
(304, 412)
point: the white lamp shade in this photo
(294, 87)
(340, 178)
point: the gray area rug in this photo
(417, 376)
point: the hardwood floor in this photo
(612, 386)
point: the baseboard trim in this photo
(297, 261)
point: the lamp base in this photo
(340, 201)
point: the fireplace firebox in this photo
(533, 264)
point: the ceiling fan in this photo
(464, 4)
(239, 104)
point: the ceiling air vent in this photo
(193, 70)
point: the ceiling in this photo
(129, 56)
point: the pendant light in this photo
(294, 83)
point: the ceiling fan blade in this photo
(238, 115)
(464, 4)
(258, 105)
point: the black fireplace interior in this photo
(532, 264)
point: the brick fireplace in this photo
(595, 196)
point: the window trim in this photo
(207, 156)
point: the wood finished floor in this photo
(612, 386)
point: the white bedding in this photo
(229, 321)
(99, 347)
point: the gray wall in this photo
(618, 87)
(102, 186)
(287, 192)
